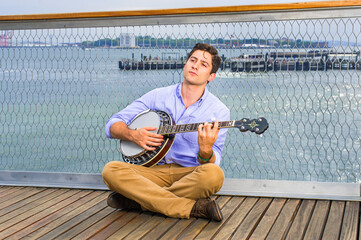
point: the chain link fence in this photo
(59, 86)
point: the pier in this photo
(150, 65)
(296, 61)
(273, 61)
(60, 213)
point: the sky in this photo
(20, 7)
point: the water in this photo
(54, 103)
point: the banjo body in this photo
(133, 153)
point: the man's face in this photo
(197, 70)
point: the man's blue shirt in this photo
(169, 99)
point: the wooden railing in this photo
(181, 11)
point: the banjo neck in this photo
(192, 127)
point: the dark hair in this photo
(216, 60)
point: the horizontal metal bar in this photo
(52, 179)
(292, 189)
(239, 187)
(276, 15)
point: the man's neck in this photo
(191, 93)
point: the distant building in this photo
(252, 45)
(126, 40)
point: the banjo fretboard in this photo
(181, 128)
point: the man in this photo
(180, 184)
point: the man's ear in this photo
(211, 77)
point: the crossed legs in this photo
(168, 189)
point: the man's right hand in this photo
(147, 139)
(142, 137)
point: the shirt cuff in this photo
(218, 158)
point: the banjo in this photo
(134, 154)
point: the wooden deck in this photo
(49, 213)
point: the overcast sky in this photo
(18, 7)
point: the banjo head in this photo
(147, 119)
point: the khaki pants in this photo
(169, 189)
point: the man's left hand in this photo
(207, 136)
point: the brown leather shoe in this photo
(118, 201)
(206, 208)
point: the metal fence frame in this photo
(252, 187)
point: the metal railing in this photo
(61, 80)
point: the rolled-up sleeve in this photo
(130, 112)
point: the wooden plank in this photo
(26, 193)
(303, 216)
(177, 229)
(9, 190)
(26, 201)
(318, 220)
(3, 189)
(334, 221)
(213, 227)
(123, 226)
(146, 227)
(161, 229)
(88, 223)
(46, 209)
(90, 210)
(199, 224)
(350, 221)
(74, 210)
(268, 219)
(44, 225)
(10, 193)
(246, 228)
(236, 219)
(284, 219)
(100, 225)
(22, 213)
(8, 198)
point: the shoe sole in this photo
(219, 212)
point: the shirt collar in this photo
(204, 96)
(200, 101)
